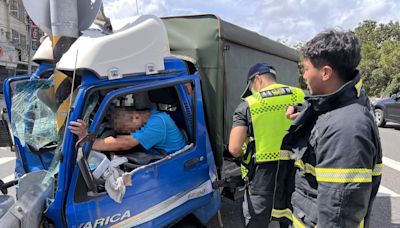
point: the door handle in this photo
(190, 163)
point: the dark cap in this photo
(260, 68)
(257, 69)
(142, 101)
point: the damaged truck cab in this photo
(193, 68)
(163, 189)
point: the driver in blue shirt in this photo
(150, 128)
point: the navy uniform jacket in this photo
(336, 144)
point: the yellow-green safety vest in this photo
(267, 110)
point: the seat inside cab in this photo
(165, 100)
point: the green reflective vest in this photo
(267, 110)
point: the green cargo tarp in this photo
(223, 54)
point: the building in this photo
(15, 40)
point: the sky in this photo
(290, 21)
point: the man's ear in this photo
(327, 72)
(259, 77)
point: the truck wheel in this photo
(379, 118)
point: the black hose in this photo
(5, 186)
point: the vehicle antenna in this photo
(72, 92)
(137, 8)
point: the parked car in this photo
(387, 109)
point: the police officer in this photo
(335, 139)
(259, 124)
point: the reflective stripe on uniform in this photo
(306, 168)
(338, 175)
(377, 171)
(287, 213)
(362, 224)
(284, 155)
(297, 223)
(358, 87)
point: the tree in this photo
(302, 83)
(380, 51)
(393, 86)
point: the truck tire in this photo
(380, 118)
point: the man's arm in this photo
(344, 158)
(236, 140)
(121, 142)
(239, 130)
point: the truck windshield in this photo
(33, 113)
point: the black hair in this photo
(338, 49)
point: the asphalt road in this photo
(386, 210)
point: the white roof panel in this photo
(138, 47)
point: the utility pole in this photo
(64, 29)
(64, 32)
(64, 25)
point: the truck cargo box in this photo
(223, 53)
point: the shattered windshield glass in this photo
(33, 115)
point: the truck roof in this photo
(245, 37)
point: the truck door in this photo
(15, 89)
(162, 191)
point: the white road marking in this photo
(8, 178)
(4, 160)
(383, 191)
(391, 163)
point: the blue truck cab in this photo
(162, 190)
(193, 68)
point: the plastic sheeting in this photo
(33, 121)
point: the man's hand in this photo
(291, 113)
(78, 128)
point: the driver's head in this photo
(133, 114)
(126, 120)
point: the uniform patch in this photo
(276, 92)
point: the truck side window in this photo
(145, 113)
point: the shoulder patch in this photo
(276, 92)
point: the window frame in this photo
(105, 104)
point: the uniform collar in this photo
(344, 95)
(272, 86)
(317, 105)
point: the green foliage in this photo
(380, 53)
(393, 86)
(302, 83)
(380, 62)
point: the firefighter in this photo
(334, 139)
(259, 124)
